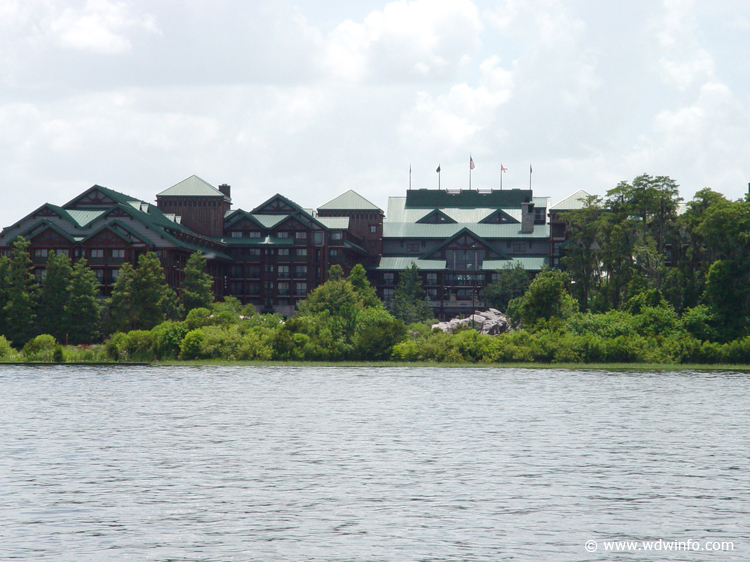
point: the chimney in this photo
(527, 218)
(226, 189)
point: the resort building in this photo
(275, 254)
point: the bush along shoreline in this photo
(343, 320)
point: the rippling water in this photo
(369, 464)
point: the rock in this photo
(491, 322)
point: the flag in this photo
(438, 169)
(503, 168)
(530, 170)
(471, 163)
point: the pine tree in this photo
(83, 310)
(409, 299)
(141, 296)
(358, 279)
(51, 318)
(19, 308)
(196, 289)
(4, 282)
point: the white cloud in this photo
(98, 26)
(405, 41)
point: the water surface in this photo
(369, 464)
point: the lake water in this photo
(370, 464)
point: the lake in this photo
(372, 464)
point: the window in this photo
(283, 288)
(118, 253)
(253, 271)
(373, 228)
(388, 278)
(282, 235)
(432, 294)
(519, 248)
(334, 253)
(432, 278)
(300, 271)
(253, 234)
(301, 235)
(40, 253)
(99, 274)
(301, 252)
(283, 272)
(40, 274)
(253, 251)
(63, 252)
(236, 234)
(96, 253)
(300, 289)
(236, 271)
(283, 251)
(412, 247)
(236, 287)
(115, 274)
(269, 268)
(253, 288)
(388, 294)
(337, 235)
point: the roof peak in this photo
(349, 201)
(192, 186)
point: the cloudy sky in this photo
(311, 98)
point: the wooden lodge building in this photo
(275, 254)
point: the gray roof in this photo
(349, 201)
(410, 230)
(336, 223)
(529, 263)
(571, 202)
(191, 187)
(403, 263)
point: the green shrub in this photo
(41, 348)
(140, 345)
(405, 351)
(115, 347)
(5, 348)
(190, 348)
(167, 339)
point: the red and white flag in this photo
(471, 163)
(503, 168)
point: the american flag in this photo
(471, 163)
(503, 168)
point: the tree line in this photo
(640, 282)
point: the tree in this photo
(547, 297)
(196, 290)
(83, 311)
(583, 248)
(54, 296)
(141, 297)
(4, 284)
(375, 334)
(19, 308)
(409, 299)
(513, 282)
(361, 285)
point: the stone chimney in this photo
(527, 218)
(226, 189)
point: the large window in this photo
(118, 253)
(283, 272)
(301, 235)
(337, 235)
(283, 251)
(283, 288)
(301, 252)
(97, 253)
(40, 253)
(300, 271)
(300, 289)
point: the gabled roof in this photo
(98, 196)
(466, 232)
(278, 204)
(43, 225)
(191, 187)
(436, 217)
(235, 216)
(335, 223)
(499, 217)
(572, 202)
(349, 201)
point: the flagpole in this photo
(501, 176)
(410, 177)
(530, 170)
(438, 172)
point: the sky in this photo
(313, 98)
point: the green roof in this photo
(335, 223)
(82, 218)
(466, 199)
(191, 187)
(402, 263)
(349, 201)
(529, 264)
(487, 231)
